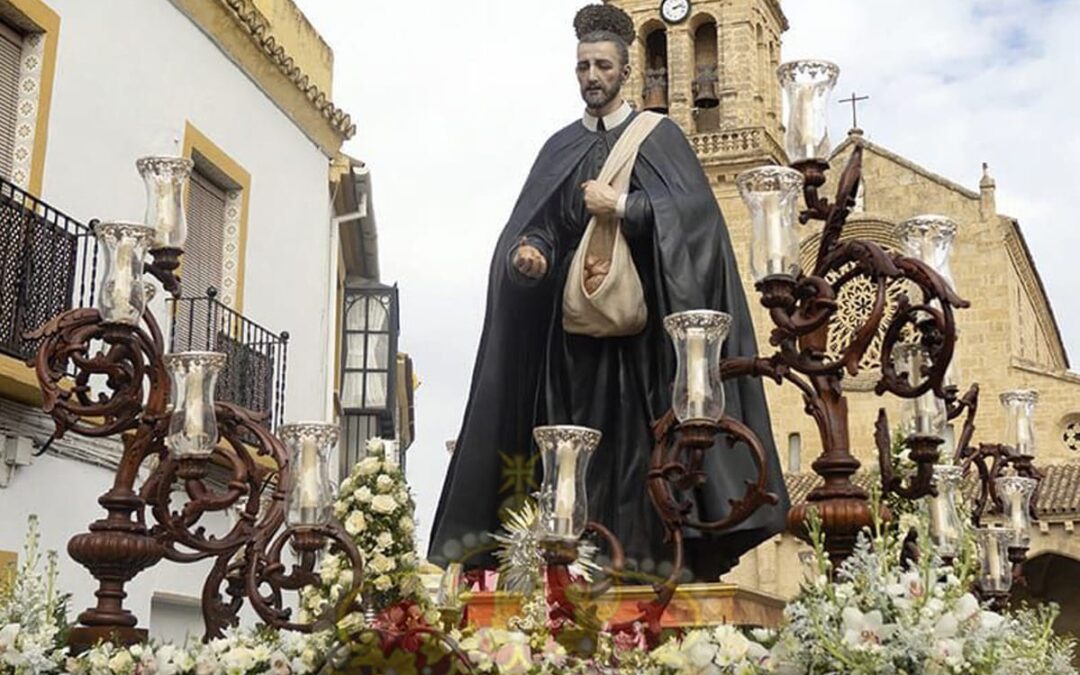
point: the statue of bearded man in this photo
(530, 371)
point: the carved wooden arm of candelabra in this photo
(802, 309)
(121, 386)
(678, 467)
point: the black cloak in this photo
(527, 366)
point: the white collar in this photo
(610, 121)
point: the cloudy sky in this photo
(453, 100)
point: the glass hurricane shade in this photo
(1019, 407)
(995, 570)
(698, 337)
(564, 504)
(165, 179)
(449, 594)
(193, 429)
(924, 415)
(311, 498)
(807, 90)
(930, 238)
(771, 194)
(122, 298)
(1015, 493)
(946, 526)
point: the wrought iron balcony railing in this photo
(48, 263)
(254, 375)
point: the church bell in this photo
(655, 94)
(705, 88)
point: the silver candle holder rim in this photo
(571, 432)
(326, 433)
(124, 227)
(946, 474)
(787, 71)
(1019, 396)
(697, 318)
(927, 223)
(214, 360)
(165, 165)
(1021, 484)
(769, 179)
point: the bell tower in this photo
(711, 66)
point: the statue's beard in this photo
(599, 96)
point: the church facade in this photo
(713, 69)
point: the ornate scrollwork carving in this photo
(101, 379)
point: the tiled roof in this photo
(1059, 493)
(252, 21)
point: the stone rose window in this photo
(1070, 432)
(857, 297)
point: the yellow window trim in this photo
(196, 141)
(46, 21)
(18, 382)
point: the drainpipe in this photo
(332, 301)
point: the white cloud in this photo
(453, 100)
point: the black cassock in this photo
(529, 372)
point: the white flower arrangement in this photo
(238, 653)
(873, 616)
(376, 509)
(32, 613)
(880, 617)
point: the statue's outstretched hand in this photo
(530, 261)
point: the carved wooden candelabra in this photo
(104, 372)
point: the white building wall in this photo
(129, 74)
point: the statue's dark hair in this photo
(606, 23)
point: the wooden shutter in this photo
(10, 58)
(206, 234)
(202, 261)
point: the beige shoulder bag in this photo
(617, 306)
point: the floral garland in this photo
(377, 510)
(873, 616)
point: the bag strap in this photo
(625, 151)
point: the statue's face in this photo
(600, 73)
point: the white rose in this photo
(384, 504)
(406, 525)
(240, 660)
(375, 446)
(363, 494)
(383, 583)
(347, 485)
(122, 662)
(329, 570)
(355, 523)
(368, 466)
(382, 564)
(384, 483)
(384, 540)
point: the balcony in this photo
(254, 375)
(48, 263)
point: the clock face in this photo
(675, 11)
